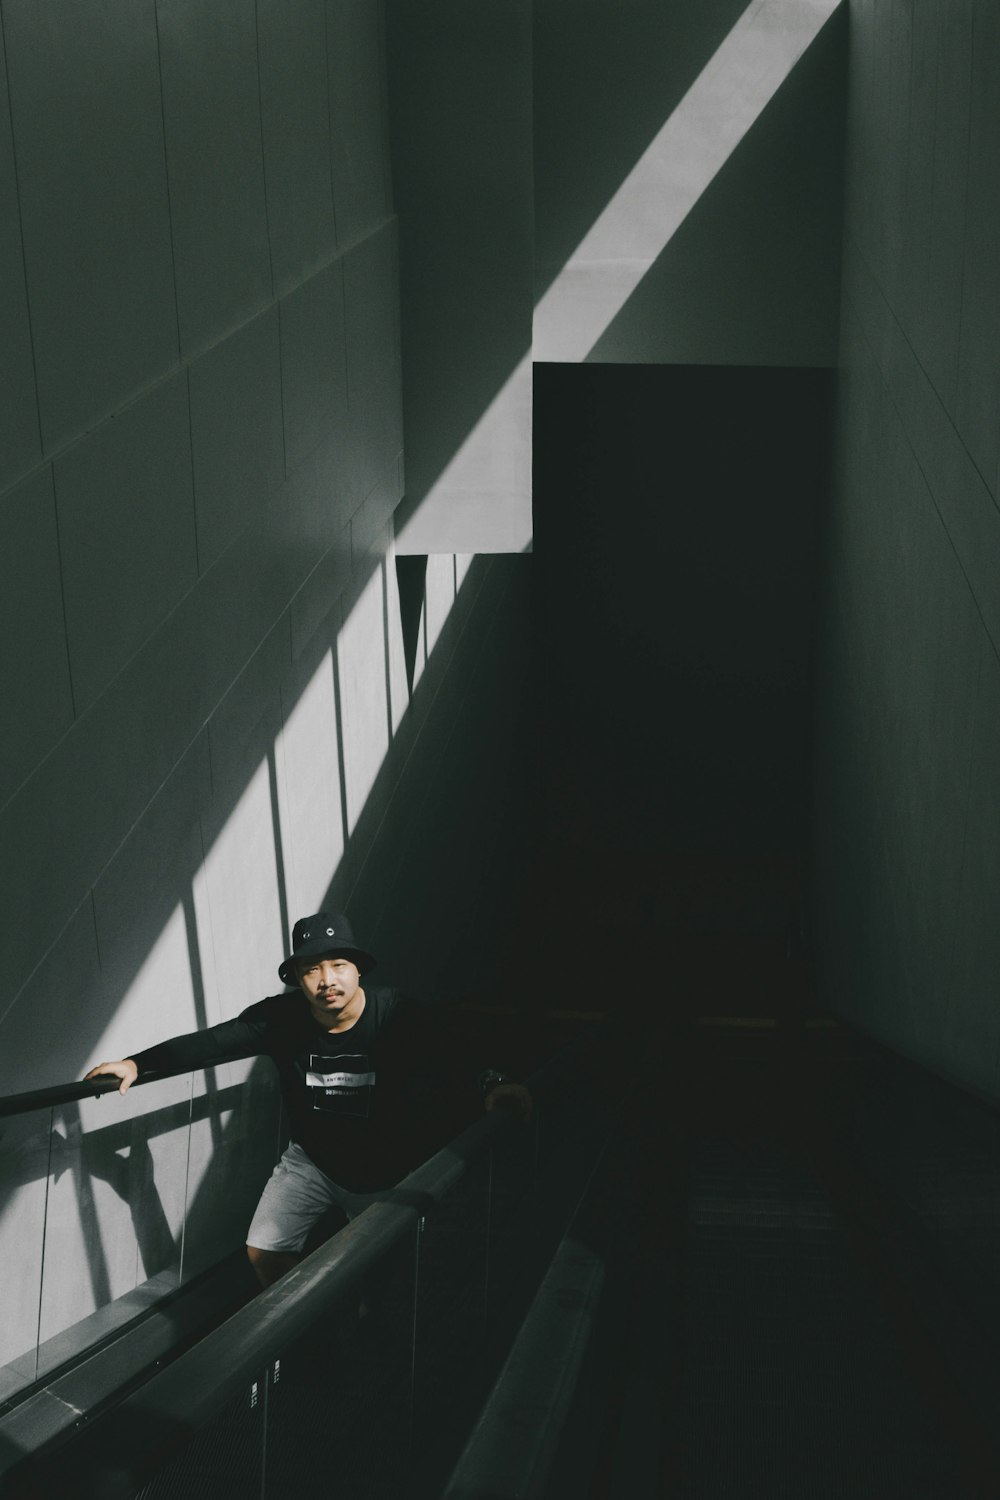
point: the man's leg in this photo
(295, 1196)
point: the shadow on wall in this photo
(118, 1206)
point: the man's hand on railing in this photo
(126, 1070)
(513, 1097)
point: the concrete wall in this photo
(687, 181)
(209, 725)
(907, 839)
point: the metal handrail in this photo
(67, 1093)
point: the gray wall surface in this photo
(209, 726)
(461, 138)
(907, 818)
(688, 164)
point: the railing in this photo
(436, 1266)
(62, 1093)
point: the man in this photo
(348, 1057)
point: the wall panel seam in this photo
(62, 597)
(263, 162)
(995, 645)
(329, 121)
(166, 180)
(20, 231)
(916, 359)
(57, 450)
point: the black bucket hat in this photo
(325, 932)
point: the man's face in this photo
(332, 986)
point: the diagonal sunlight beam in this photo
(488, 476)
(655, 198)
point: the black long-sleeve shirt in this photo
(367, 1104)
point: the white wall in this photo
(207, 715)
(908, 805)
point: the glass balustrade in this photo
(108, 1205)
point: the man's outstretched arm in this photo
(196, 1049)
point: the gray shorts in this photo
(296, 1196)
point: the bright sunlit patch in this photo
(138, 1020)
(243, 906)
(307, 761)
(482, 497)
(361, 655)
(420, 659)
(656, 197)
(439, 595)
